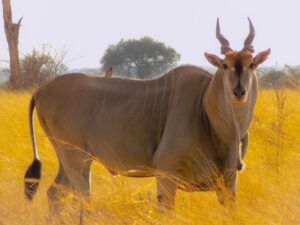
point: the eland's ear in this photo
(261, 57)
(213, 59)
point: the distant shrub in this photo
(42, 65)
(287, 77)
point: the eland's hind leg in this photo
(58, 190)
(77, 167)
(61, 185)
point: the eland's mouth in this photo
(239, 100)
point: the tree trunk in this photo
(12, 37)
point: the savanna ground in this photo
(268, 189)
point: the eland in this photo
(188, 128)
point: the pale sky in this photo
(86, 28)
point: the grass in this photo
(268, 190)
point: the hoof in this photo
(241, 166)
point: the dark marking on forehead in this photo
(238, 67)
(238, 60)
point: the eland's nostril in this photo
(235, 92)
(243, 91)
(239, 91)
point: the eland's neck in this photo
(229, 120)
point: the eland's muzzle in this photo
(239, 91)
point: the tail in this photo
(33, 173)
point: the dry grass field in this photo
(268, 189)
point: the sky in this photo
(86, 28)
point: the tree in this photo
(12, 37)
(141, 58)
(42, 65)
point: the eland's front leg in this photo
(226, 190)
(245, 141)
(166, 192)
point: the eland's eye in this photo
(251, 66)
(224, 66)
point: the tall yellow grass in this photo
(268, 190)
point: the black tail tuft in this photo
(32, 176)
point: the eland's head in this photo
(237, 67)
